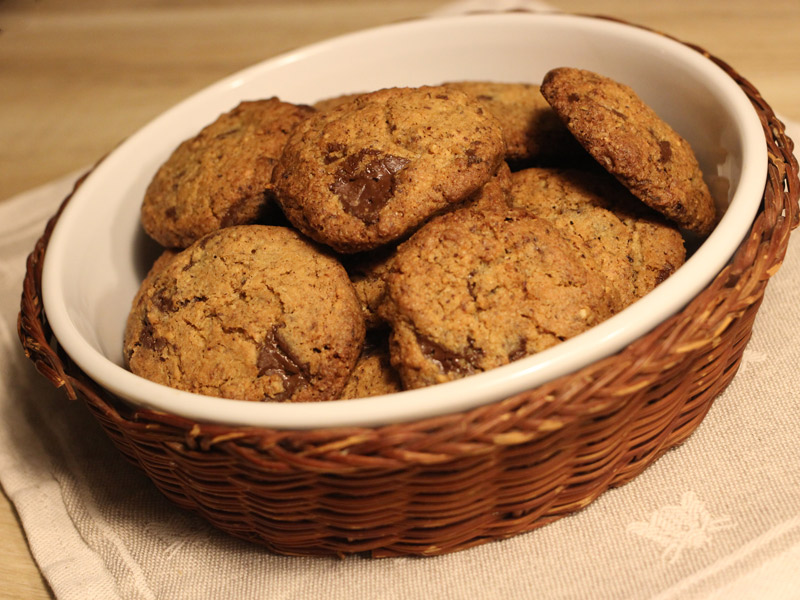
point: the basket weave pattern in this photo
(447, 483)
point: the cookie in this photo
(373, 169)
(477, 289)
(533, 131)
(220, 176)
(634, 144)
(158, 265)
(334, 101)
(373, 374)
(250, 312)
(636, 247)
(366, 270)
(495, 193)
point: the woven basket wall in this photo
(448, 483)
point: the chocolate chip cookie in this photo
(373, 374)
(477, 289)
(533, 131)
(366, 270)
(636, 247)
(633, 143)
(334, 101)
(220, 176)
(373, 169)
(250, 312)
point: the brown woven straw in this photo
(451, 482)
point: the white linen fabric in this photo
(718, 517)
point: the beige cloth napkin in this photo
(718, 517)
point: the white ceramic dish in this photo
(98, 254)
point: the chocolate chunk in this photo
(449, 362)
(148, 339)
(163, 301)
(518, 352)
(334, 152)
(472, 157)
(664, 272)
(274, 358)
(365, 182)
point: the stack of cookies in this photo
(405, 237)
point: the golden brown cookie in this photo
(250, 312)
(161, 261)
(220, 176)
(372, 170)
(633, 143)
(533, 132)
(366, 270)
(477, 289)
(495, 193)
(373, 374)
(636, 246)
(334, 101)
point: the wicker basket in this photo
(443, 484)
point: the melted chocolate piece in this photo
(518, 352)
(275, 359)
(664, 273)
(163, 301)
(447, 361)
(365, 182)
(149, 341)
(334, 151)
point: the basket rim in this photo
(761, 251)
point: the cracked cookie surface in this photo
(634, 144)
(371, 170)
(477, 289)
(250, 312)
(218, 177)
(637, 248)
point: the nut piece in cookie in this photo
(250, 312)
(373, 169)
(636, 247)
(533, 132)
(634, 144)
(477, 289)
(219, 177)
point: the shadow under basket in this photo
(443, 484)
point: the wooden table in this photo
(78, 77)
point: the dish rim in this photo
(607, 338)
